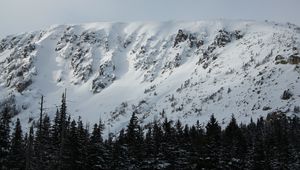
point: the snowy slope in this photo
(188, 69)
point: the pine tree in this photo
(29, 150)
(63, 152)
(42, 147)
(134, 140)
(106, 153)
(149, 148)
(38, 147)
(182, 149)
(179, 131)
(249, 132)
(17, 151)
(132, 130)
(168, 140)
(197, 141)
(58, 136)
(158, 146)
(260, 160)
(71, 157)
(55, 140)
(120, 155)
(96, 149)
(108, 147)
(294, 143)
(234, 145)
(271, 143)
(5, 119)
(213, 149)
(83, 141)
(213, 129)
(277, 137)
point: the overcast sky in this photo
(28, 15)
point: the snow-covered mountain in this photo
(188, 69)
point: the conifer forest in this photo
(64, 143)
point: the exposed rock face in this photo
(286, 95)
(279, 57)
(104, 77)
(18, 68)
(80, 48)
(190, 37)
(189, 70)
(294, 59)
(180, 37)
(222, 38)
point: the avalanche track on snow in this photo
(179, 70)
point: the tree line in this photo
(267, 143)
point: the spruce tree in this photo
(71, 157)
(58, 136)
(17, 150)
(83, 141)
(260, 160)
(5, 119)
(168, 140)
(42, 145)
(41, 142)
(149, 148)
(29, 152)
(182, 150)
(132, 130)
(271, 143)
(158, 146)
(213, 149)
(234, 145)
(96, 149)
(179, 131)
(55, 140)
(294, 143)
(197, 141)
(134, 140)
(120, 155)
(63, 153)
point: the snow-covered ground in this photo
(188, 69)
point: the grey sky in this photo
(28, 15)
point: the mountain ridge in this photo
(188, 69)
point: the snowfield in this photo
(179, 70)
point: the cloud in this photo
(19, 16)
